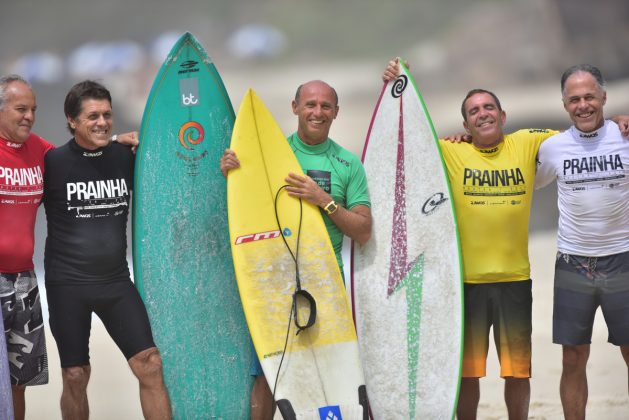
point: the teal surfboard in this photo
(181, 250)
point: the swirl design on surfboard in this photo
(399, 86)
(187, 134)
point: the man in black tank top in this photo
(87, 193)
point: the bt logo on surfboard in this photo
(189, 91)
(189, 100)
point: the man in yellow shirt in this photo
(492, 181)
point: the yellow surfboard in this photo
(280, 245)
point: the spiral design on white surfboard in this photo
(398, 86)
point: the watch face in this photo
(331, 208)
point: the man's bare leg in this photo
(469, 396)
(573, 387)
(624, 350)
(19, 401)
(262, 404)
(147, 367)
(74, 405)
(517, 397)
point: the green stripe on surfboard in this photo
(182, 258)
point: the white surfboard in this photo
(407, 281)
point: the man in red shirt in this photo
(21, 188)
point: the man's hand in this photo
(229, 161)
(393, 69)
(623, 124)
(129, 139)
(355, 223)
(458, 138)
(304, 187)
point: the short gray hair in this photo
(586, 68)
(6, 81)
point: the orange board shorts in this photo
(506, 307)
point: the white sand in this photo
(113, 391)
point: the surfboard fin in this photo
(364, 401)
(286, 409)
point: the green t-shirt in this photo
(339, 173)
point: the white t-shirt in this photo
(592, 173)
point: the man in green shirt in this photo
(335, 181)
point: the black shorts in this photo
(117, 304)
(506, 307)
(582, 284)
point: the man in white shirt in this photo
(590, 162)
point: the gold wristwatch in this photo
(331, 207)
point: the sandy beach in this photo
(113, 391)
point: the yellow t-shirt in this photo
(492, 191)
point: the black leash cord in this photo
(298, 291)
